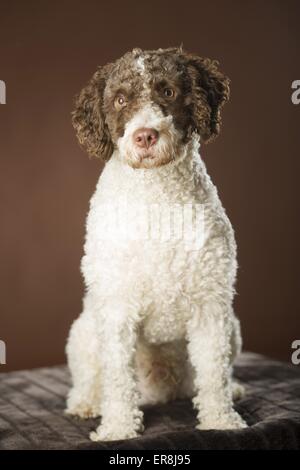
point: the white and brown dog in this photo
(157, 321)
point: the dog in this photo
(157, 321)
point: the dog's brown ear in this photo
(88, 117)
(210, 90)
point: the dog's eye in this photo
(169, 92)
(120, 102)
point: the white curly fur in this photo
(157, 322)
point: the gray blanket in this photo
(32, 413)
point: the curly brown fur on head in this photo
(88, 117)
(210, 90)
(141, 78)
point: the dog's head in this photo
(148, 104)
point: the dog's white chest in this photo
(169, 281)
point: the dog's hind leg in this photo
(83, 360)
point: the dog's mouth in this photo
(146, 155)
(146, 159)
(149, 160)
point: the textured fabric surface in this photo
(32, 413)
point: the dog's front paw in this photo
(112, 433)
(127, 425)
(222, 421)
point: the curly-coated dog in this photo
(157, 321)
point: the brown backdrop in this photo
(48, 50)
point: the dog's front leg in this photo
(209, 346)
(121, 418)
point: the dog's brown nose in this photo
(145, 137)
